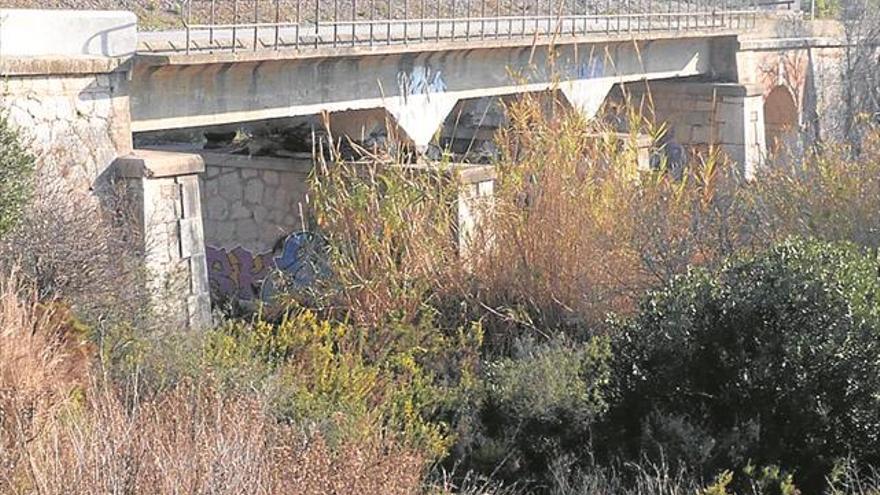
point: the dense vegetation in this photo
(609, 330)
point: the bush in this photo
(333, 377)
(773, 359)
(16, 167)
(539, 407)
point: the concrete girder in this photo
(169, 93)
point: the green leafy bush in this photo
(539, 406)
(16, 167)
(773, 359)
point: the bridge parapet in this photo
(239, 25)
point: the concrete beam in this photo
(67, 33)
(416, 88)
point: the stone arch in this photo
(781, 121)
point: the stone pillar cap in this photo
(153, 164)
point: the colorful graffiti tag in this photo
(240, 274)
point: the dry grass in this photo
(192, 438)
(579, 231)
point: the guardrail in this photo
(212, 25)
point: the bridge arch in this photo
(781, 119)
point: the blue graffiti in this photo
(421, 81)
(591, 68)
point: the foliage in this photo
(832, 195)
(539, 407)
(390, 228)
(329, 375)
(578, 229)
(773, 358)
(16, 168)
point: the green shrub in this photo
(539, 407)
(16, 167)
(773, 359)
(348, 381)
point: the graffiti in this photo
(296, 261)
(422, 80)
(236, 273)
(591, 68)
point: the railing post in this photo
(453, 20)
(234, 24)
(256, 23)
(277, 22)
(497, 17)
(188, 22)
(354, 6)
(213, 22)
(467, 18)
(482, 19)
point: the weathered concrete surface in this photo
(40, 33)
(164, 188)
(418, 90)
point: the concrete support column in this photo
(477, 187)
(587, 95)
(420, 116)
(740, 121)
(164, 188)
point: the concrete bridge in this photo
(737, 74)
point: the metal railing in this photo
(212, 25)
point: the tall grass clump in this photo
(64, 429)
(579, 229)
(831, 193)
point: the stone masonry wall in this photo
(252, 207)
(75, 124)
(253, 212)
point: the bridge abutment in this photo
(66, 88)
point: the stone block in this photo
(199, 312)
(216, 208)
(190, 197)
(199, 273)
(155, 164)
(246, 230)
(253, 191)
(192, 238)
(238, 211)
